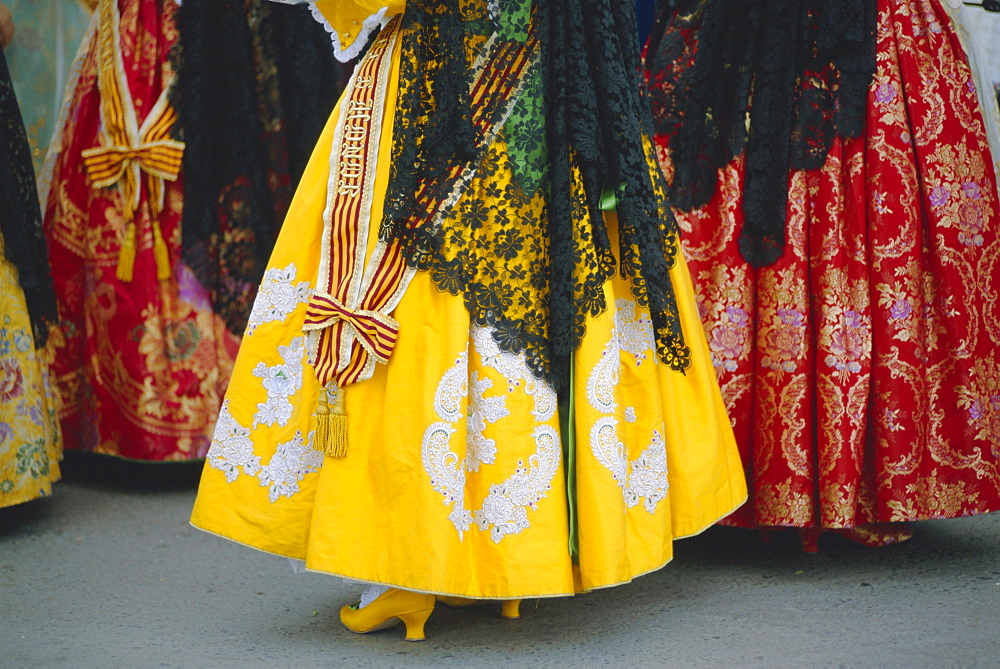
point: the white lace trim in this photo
(278, 297)
(232, 448)
(505, 509)
(281, 382)
(368, 26)
(645, 478)
(372, 593)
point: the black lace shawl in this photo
(20, 214)
(255, 84)
(774, 79)
(580, 129)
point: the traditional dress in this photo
(40, 58)
(385, 423)
(979, 31)
(30, 447)
(861, 367)
(141, 361)
(250, 107)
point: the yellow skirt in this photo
(30, 439)
(455, 480)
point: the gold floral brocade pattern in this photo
(140, 366)
(30, 447)
(861, 370)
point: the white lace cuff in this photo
(354, 47)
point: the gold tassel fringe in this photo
(331, 422)
(126, 256)
(331, 433)
(160, 253)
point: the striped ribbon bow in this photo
(127, 150)
(376, 332)
(159, 158)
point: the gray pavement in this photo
(108, 573)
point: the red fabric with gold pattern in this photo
(862, 370)
(140, 366)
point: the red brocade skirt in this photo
(862, 370)
(141, 366)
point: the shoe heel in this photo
(511, 609)
(415, 624)
(809, 540)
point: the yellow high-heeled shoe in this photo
(388, 610)
(511, 608)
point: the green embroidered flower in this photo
(32, 459)
(182, 340)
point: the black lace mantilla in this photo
(774, 79)
(255, 83)
(20, 214)
(524, 240)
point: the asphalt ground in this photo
(108, 573)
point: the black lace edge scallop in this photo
(775, 81)
(20, 214)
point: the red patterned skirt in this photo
(140, 366)
(862, 370)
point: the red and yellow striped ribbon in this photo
(376, 332)
(127, 150)
(336, 358)
(497, 80)
(348, 312)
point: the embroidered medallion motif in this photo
(290, 463)
(232, 449)
(505, 509)
(645, 478)
(281, 382)
(232, 452)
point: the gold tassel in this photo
(160, 253)
(331, 432)
(126, 256)
(323, 429)
(331, 423)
